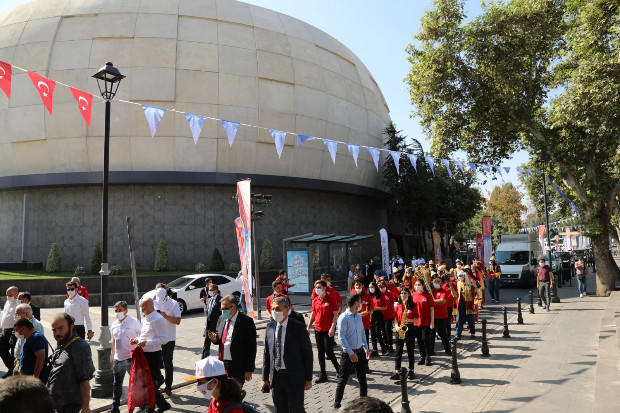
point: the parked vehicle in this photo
(186, 289)
(564, 266)
(518, 257)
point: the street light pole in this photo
(108, 80)
(554, 292)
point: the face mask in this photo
(19, 336)
(72, 293)
(202, 388)
(382, 290)
(329, 283)
(161, 294)
(419, 288)
(436, 285)
(358, 290)
(120, 315)
(371, 289)
(541, 264)
(226, 314)
(211, 293)
(318, 291)
(461, 278)
(11, 300)
(278, 316)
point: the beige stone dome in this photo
(219, 58)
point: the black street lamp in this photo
(257, 216)
(554, 292)
(108, 80)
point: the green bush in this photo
(217, 262)
(53, 259)
(200, 267)
(266, 256)
(161, 257)
(115, 270)
(95, 259)
(234, 267)
(79, 271)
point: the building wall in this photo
(191, 219)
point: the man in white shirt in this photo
(152, 337)
(123, 330)
(171, 312)
(6, 326)
(77, 307)
(24, 311)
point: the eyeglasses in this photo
(70, 289)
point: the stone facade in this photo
(191, 219)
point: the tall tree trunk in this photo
(606, 269)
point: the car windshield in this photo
(563, 255)
(179, 282)
(512, 257)
(579, 253)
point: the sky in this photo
(377, 31)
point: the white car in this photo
(187, 289)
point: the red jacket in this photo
(141, 388)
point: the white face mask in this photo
(461, 278)
(19, 336)
(419, 288)
(278, 316)
(371, 289)
(72, 293)
(211, 293)
(120, 315)
(382, 290)
(11, 300)
(161, 294)
(358, 290)
(541, 264)
(318, 291)
(436, 285)
(202, 388)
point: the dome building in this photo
(217, 58)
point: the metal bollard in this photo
(539, 299)
(455, 376)
(531, 302)
(485, 345)
(404, 403)
(519, 314)
(506, 333)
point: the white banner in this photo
(385, 252)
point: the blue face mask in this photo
(226, 314)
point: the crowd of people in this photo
(381, 317)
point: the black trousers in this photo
(287, 397)
(325, 346)
(6, 349)
(377, 332)
(80, 331)
(388, 333)
(442, 327)
(345, 370)
(233, 373)
(423, 335)
(409, 340)
(167, 353)
(154, 361)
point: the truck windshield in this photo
(512, 257)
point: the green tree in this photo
(53, 259)
(505, 204)
(266, 256)
(217, 262)
(161, 257)
(485, 86)
(95, 259)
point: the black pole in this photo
(531, 302)
(404, 403)
(455, 375)
(485, 344)
(519, 314)
(554, 291)
(506, 333)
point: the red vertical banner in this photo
(487, 245)
(437, 247)
(479, 246)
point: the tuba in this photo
(403, 324)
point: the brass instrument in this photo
(403, 324)
(425, 275)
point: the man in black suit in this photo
(235, 334)
(213, 311)
(287, 359)
(24, 297)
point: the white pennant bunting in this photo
(414, 161)
(374, 153)
(332, 147)
(354, 150)
(278, 137)
(153, 117)
(195, 124)
(431, 163)
(231, 130)
(396, 158)
(446, 162)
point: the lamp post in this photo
(108, 80)
(554, 292)
(257, 216)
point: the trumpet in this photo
(403, 324)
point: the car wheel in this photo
(182, 306)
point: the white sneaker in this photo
(580, 295)
(585, 294)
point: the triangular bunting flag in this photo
(302, 138)
(473, 167)
(537, 171)
(84, 101)
(332, 146)
(431, 163)
(446, 162)
(278, 137)
(486, 167)
(45, 87)
(195, 125)
(520, 170)
(499, 171)
(529, 172)
(5, 78)
(414, 160)
(153, 117)
(354, 150)
(374, 153)
(507, 169)
(460, 165)
(231, 130)
(396, 158)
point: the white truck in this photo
(518, 257)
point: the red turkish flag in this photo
(84, 101)
(45, 87)
(5, 78)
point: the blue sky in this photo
(377, 32)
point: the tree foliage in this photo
(539, 75)
(505, 204)
(161, 257)
(266, 256)
(53, 259)
(95, 259)
(217, 262)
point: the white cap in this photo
(208, 367)
(461, 273)
(160, 294)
